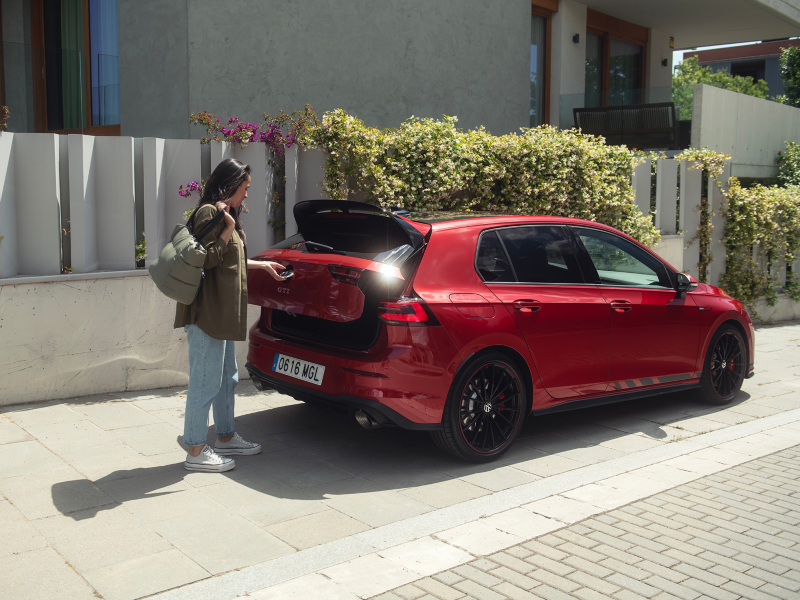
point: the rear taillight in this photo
(406, 311)
(345, 274)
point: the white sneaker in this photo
(208, 460)
(237, 445)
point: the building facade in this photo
(140, 67)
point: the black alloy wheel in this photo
(490, 407)
(725, 366)
(484, 410)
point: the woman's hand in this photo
(270, 267)
(229, 222)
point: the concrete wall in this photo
(658, 76)
(567, 62)
(379, 59)
(79, 337)
(153, 66)
(750, 129)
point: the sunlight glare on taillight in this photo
(345, 274)
(404, 312)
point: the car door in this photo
(655, 332)
(534, 272)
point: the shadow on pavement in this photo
(312, 454)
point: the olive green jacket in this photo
(220, 308)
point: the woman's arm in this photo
(272, 268)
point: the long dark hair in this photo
(222, 184)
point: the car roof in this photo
(505, 220)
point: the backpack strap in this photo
(209, 226)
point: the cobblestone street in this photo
(730, 535)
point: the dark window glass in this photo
(620, 263)
(541, 254)
(492, 261)
(625, 76)
(104, 61)
(594, 69)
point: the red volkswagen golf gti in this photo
(466, 327)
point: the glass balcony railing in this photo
(46, 89)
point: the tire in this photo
(724, 367)
(489, 397)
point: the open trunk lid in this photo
(347, 255)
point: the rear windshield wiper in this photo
(316, 247)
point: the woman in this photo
(217, 318)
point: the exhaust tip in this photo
(364, 420)
(257, 382)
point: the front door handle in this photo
(526, 305)
(621, 305)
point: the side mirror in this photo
(684, 285)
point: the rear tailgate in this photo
(326, 286)
(344, 252)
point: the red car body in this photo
(575, 344)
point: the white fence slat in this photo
(641, 185)
(304, 177)
(116, 205)
(259, 197)
(716, 200)
(666, 195)
(691, 192)
(38, 210)
(260, 235)
(82, 203)
(156, 229)
(9, 259)
(182, 165)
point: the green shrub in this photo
(790, 73)
(428, 164)
(689, 73)
(762, 228)
(789, 165)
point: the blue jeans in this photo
(212, 376)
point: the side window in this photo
(492, 262)
(618, 262)
(541, 254)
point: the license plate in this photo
(299, 369)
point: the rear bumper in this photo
(380, 413)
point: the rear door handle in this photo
(526, 305)
(621, 305)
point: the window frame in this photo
(39, 83)
(546, 9)
(587, 261)
(568, 235)
(609, 27)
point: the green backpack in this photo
(178, 271)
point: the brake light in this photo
(406, 311)
(345, 274)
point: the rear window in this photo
(533, 254)
(541, 254)
(363, 235)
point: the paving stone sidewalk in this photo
(734, 534)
